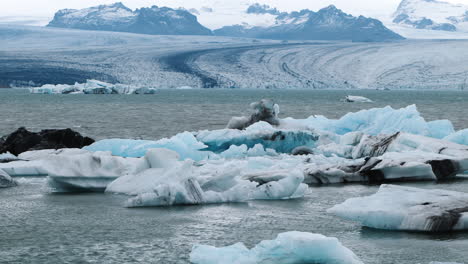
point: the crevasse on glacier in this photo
(254, 160)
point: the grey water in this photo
(39, 227)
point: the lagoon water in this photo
(39, 227)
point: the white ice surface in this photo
(406, 208)
(169, 181)
(91, 87)
(288, 248)
(359, 99)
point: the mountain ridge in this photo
(152, 20)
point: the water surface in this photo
(39, 227)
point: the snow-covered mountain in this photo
(117, 17)
(329, 23)
(432, 14)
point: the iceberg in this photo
(459, 137)
(269, 159)
(375, 121)
(5, 180)
(288, 248)
(359, 99)
(407, 208)
(280, 140)
(184, 143)
(91, 87)
(266, 110)
(169, 181)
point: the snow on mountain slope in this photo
(117, 17)
(432, 14)
(328, 23)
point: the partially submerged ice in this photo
(407, 208)
(356, 99)
(288, 248)
(6, 180)
(91, 87)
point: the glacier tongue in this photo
(288, 248)
(406, 208)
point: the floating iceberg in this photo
(169, 181)
(374, 121)
(91, 87)
(359, 99)
(269, 159)
(5, 180)
(288, 248)
(459, 137)
(406, 208)
(265, 110)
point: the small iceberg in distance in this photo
(356, 99)
(288, 248)
(409, 209)
(92, 87)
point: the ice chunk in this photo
(5, 180)
(265, 110)
(185, 144)
(283, 141)
(407, 208)
(288, 248)
(359, 99)
(61, 184)
(92, 87)
(373, 122)
(460, 137)
(174, 182)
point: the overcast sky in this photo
(46, 8)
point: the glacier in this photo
(408, 208)
(70, 56)
(288, 248)
(91, 87)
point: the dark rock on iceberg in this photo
(23, 140)
(302, 150)
(265, 110)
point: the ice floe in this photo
(407, 208)
(288, 248)
(91, 87)
(358, 99)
